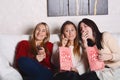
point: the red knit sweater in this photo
(24, 50)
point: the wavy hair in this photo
(76, 48)
(32, 39)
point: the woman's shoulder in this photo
(106, 35)
(49, 44)
(23, 42)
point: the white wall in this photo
(21, 16)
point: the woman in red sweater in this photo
(33, 57)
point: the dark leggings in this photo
(89, 76)
(67, 75)
(70, 75)
(33, 70)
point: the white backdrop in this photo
(20, 17)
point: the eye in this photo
(85, 26)
(73, 30)
(66, 30)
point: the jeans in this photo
(33, 70)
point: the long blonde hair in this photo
(32, 39)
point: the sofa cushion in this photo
(117, 37)
(8, 44)
(7, 72)
(7, 51)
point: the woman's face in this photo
(86, 30)
(41, 32)
(70, 32)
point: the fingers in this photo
(105, 57)
(85, 35)
(74, 69)
(84, 38)
(62, 36)
(40, 57)
(100, 57)
(64, 40)
(42, 51)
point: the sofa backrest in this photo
(117, 37)
(8, 44)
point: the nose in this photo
(70, 32)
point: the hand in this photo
(74, 69)
(40, 57)
(105, 57)
(84, 38)
(64, 40)
(41, 54)
(41, 51)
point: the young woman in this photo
(33, 56)
(108, 50)
(69, 38)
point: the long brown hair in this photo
(96, 33)
(76, 48)
(32, 39)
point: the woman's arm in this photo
(22, 49)
(55, 55)
(113, 46)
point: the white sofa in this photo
(7, 51)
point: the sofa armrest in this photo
(7, 72)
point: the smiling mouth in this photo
(40, 35)
(71, 36)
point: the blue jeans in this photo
(33, 70)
